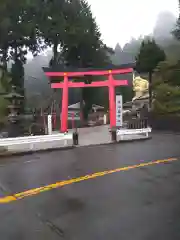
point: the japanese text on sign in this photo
(119, 109)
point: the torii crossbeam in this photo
(111, 83)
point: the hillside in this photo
(38, 91)
(161, 33)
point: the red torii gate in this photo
(111, 83)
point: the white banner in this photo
(119, 111)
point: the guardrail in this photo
(134, 131)
(30, 143)
(137, 124)
(135, 127)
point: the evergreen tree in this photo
(52, 23)
(176, 31)
(17, 31)
(150, 55)
(166, 88)
(83, 47)
(18, 36)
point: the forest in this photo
(71, 37)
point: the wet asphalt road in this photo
(139, 204)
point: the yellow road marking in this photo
(35, 191)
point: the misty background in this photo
(38, 91)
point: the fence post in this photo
(75, 138)
(49, 124)
(105, 119)
(114, 134)
(54, 120)
(72, 120)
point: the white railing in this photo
(146, 131)
(28, 143)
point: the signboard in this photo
(119, 111)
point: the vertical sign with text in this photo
(119, 111)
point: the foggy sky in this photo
(119, 20)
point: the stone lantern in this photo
(14, 98)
